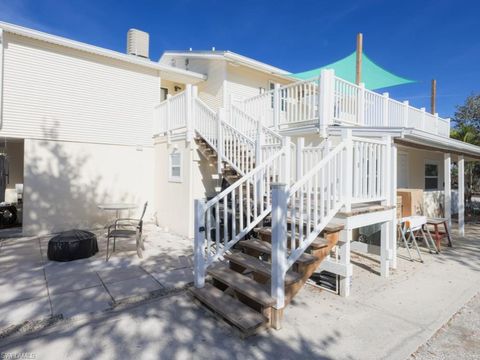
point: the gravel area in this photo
(457, 339)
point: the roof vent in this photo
(138, 43)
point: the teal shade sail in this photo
(373, 76)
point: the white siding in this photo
(58, 93)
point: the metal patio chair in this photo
(127, 228)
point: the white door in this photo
(402, 170)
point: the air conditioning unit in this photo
(138, 43)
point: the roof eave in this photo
(188, 76)
(234, 58)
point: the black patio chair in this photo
(126, 229)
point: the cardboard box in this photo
(399, 206)
(412, 201)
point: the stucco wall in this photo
(433, 199)
(65, 181)
(174, 201)
(244, 83)
(416, 167)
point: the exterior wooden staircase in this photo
(239, 291)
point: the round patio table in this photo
(117, 207)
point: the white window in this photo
(431, 175)
(175, 166)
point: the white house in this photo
(221, 146)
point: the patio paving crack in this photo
(105, 287)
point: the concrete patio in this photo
(384, 318)
(34, 288)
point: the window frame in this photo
(425, 176)
(171, 177)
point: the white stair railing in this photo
(284, 105)
(248, 125)
(224, 220)
(355, 170)
(369, 170)
(231, 145)
(310, 204)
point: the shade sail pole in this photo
(358, 71)
(433, 98)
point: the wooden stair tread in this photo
(236, 312)
(318, 243)
(266, 248)
(359, 210)
(330, 228)
(242, 284)
(260, 266)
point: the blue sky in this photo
(419, 39)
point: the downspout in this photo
(1, 76)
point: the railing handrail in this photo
(368, 140)
(305, 178)
(352, 104)
(201, 102)
(243, 179)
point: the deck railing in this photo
(328, 99)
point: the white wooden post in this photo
(387, 166)
(393, 234)
(361, 105)
(286, 160)
(189, 112)
(447, 188)
(199, 244)
(323, 101)
(168, 118)
(220, 143)
(299, 159)
(260, 141)
(348, 170)
(422, 124)
(386, 228)
(461, 195)
(346, 237)
(405, 113)
(279, 233)
(276, 106)
(385, 119)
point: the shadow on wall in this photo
(207, 172)
(60, 194)
(434, 200)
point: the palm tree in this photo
(468, 134)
